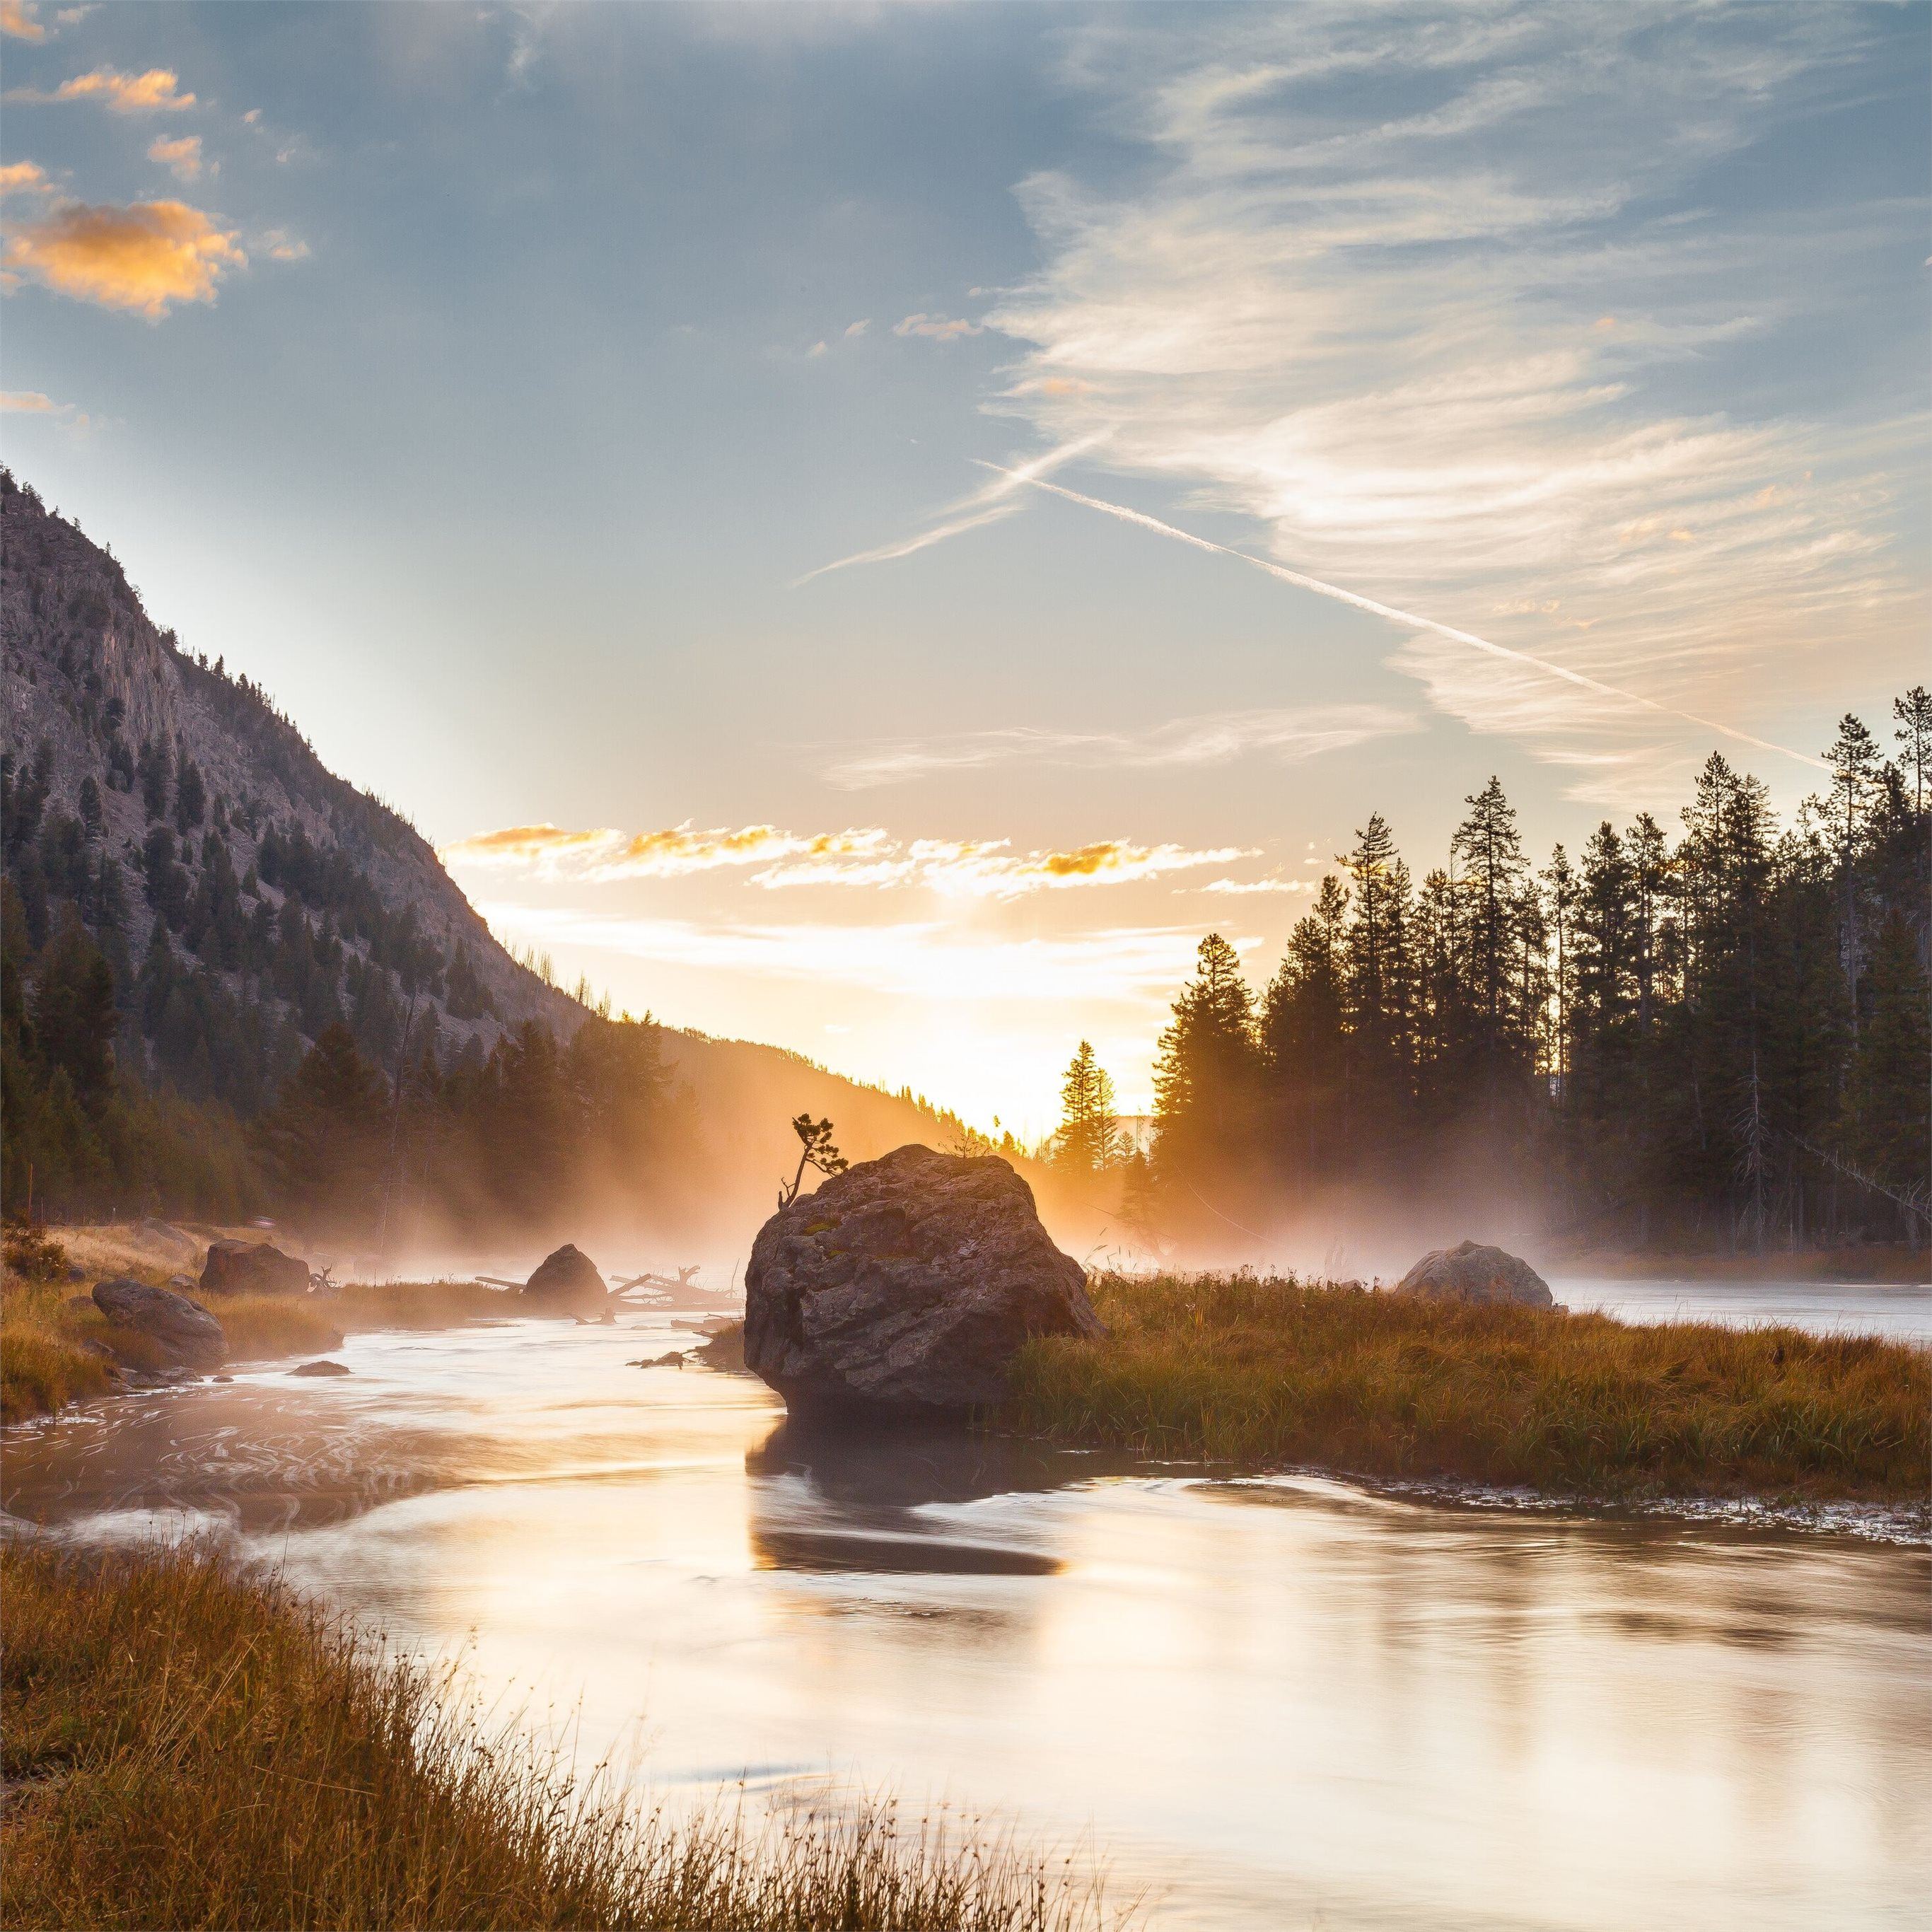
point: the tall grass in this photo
(190, 1746)
(1275, 1371)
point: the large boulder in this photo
(566, 1283)
(1474, 1273)
(904, 1286)
(186, 1333)
(252, 1268)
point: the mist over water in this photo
(1269, 1702)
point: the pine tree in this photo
(1087, 1141)
(1205, 1075)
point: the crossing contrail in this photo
(1302, 581)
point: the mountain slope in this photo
(246, 898)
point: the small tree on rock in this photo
(815, 1149)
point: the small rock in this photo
(322, 1369)
(566, 1282)
(183, 1329)
(1473, 1273)
(252, 1268)
(674, 1360)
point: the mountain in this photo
(159, 813)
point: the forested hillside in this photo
(233, 982)
(1711, 1034)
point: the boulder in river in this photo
(322, 1368)
(187, 1335)
(904, 1286)
(566, 1283)
(252, 1268)
(1476, 1273)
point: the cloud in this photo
(941, 328)
(919, 960)
(860, 857)
(183, 156)
(23, 178)
(30, 403)
(155, 91)
(143, 258)
(1379, 336)
(1241, 888)
(1217, 737)
(280, 246)
(606, 854)
(817, 349)
(855, 329)
(19, 20)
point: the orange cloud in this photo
(22, 178)
(145, 257)
(30, 403)
(17, 20)
(858, 857)
(183, 156)
(156, 91)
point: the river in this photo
(1267, 1703)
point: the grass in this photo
(47, 1322)
(1263, 1371)
(188, 1745)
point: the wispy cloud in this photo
(156, 91)
(144, 258)
(939, 328)
(856, 857)
(182, 157)
(20, 20)
(30, 403)
(1214, 737)
(1244, 888)
(1492, 350)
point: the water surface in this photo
(1279, 1703)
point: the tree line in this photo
(1718, 1034)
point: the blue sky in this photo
(485, 381)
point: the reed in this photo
(1279, 1372)
(188, 1744)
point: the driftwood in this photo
(655, 1279)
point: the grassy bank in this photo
(51, 1333)
(1274, 1372)
(188, 1745)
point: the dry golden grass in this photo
(188, 1746)
(1276, 1372)
(42, 1365)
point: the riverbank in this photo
(1867, 1263)
(188, 1744)
(1275, 1372)
(56, 1347)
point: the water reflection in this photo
(1282, 1703)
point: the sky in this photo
(875, 528)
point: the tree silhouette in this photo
(815, 1149)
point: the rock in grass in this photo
(252, 1268)
(904, 1286)
(1475, 1273)
(566, 1283)
(188, 1335)
(322, 1369)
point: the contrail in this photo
(1380, 609)
(983, 506)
